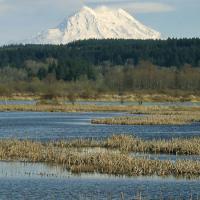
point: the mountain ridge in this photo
(99, 23)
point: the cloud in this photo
(30, 6)
(35, 7)
(4, 8)
(149, 7)
(134, 6)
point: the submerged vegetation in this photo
(73, 156)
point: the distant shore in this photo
(131, 97)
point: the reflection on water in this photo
(166, 157)
(33, 170)
(40, 181)
(17, 102)
(55, 126)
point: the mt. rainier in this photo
(99, 23)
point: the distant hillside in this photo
(167, 53)
(93, 67)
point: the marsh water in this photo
(173, 158)
(17, 102)
(55, 126)
(104, 103)
(40, 181)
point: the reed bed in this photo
(64, 108)
(96, 108)
(101, 162)
(176, 146)
(156, 119)
(168, 111)
(68, 154)
(128, 143)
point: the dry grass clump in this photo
(78, 143)
(176, 146)
(101, 162)
(121, 142)
(22, 150)
(128, 143)
(121, 164)
(157, 119)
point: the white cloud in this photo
(4, 8)
(30, 6)
(149, 7)
(35, 7)
(135, 6)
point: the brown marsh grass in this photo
(65, 108)
(105, 162)
(128, 143)
(69, 155)
(176, 146)
(145, 96)
(58, 107)
(168, 118)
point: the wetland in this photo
(62, 150)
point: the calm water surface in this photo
(39, 181)
(54, 126)
(173, 158)
(17, 102)
(102, 103)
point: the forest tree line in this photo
(100, 66)
(119, 80)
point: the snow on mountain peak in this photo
(99, 23)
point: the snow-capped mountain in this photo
(99, 23)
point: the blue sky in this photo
(22, 19)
